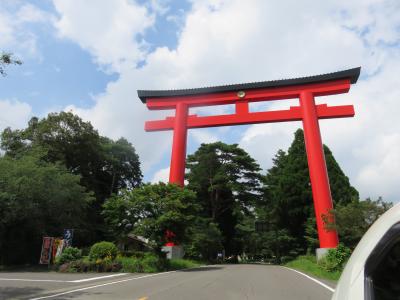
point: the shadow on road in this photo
(200, 269)
(18, 293)
(76, 295)
(25, 268)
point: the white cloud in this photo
(161, 176)
(29, 13)
(380, 173)
(6, 30)
(375, 24)
(14, 28)
(235, 41)
(14, 114)
(365, 145)
(109, 30)
(161, 7)
(203, 136)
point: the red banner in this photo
(45, 255)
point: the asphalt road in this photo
(251, 282)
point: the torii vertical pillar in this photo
(177, 168)
(178, 155)
(317, 169)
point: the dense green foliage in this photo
(149, 263)
(180, 264)
(69, 254)
(36, 199)
(86, 265)
(227, 183)
(336, 259)
(308, 264)
(89, 162)
(145, 263)
(231, 196)
(105, 166)
(287, 204)
(60, 173)
(355, 218)
(205, 240)
(103, 251)
(101, 166)
(150, 210)
(329, 267)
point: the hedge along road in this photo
(210, 282)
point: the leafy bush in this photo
(179, 264)
(69, 254)
(336, 259)
(103, 251)
(130, 264)
(84, 265)
(153, 263)
(150, 263)
(85, 251)
(133, 253)
(309, 265)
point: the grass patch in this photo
(149, 263)
(130, 264)
(308, 265)
(152, 264)
(179, 264)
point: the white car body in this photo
(352, 284)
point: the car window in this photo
(383, 268)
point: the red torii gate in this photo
(305, 89)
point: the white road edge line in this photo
(313, 279)
(32, 280)
(97, 278)
(100, 285)
(68, 281)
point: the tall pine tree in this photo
(227, 182)
(288, 203)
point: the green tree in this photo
(121, 164)
(354, 219)
(204, 240)
(311, 235)
(6, 59)
(227, 182)
(152, 209)
(103, 165)
(247, 238)
(36, 199)
(288, 197)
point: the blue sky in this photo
(91, 56)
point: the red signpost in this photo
(305, 89)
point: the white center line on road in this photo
(313, 279)
(100, 285)
(68, 281)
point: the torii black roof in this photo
(351, 74)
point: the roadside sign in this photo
(45, 255)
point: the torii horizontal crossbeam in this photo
(292, 114)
